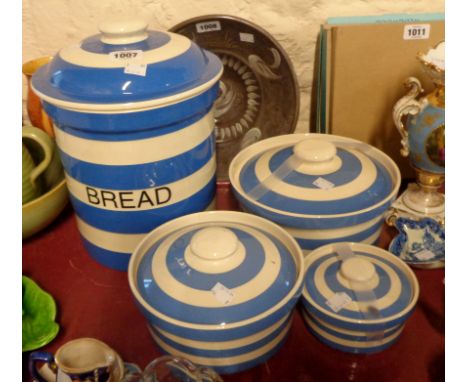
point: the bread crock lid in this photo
(312, 174)
(216, 268)
(126, 67)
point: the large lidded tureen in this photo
(218, 287)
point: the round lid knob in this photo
(312, 150)
(214, 243)
(356, 269)
(316, 157)
(123, 31)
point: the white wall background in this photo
(49, 25)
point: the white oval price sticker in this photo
(416, 31)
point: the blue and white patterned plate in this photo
(419, 242)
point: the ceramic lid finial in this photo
(358, 270)
(123, 31)
(311, 150)
(214, 243)
(316, 156)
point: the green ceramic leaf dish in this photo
(39, 310)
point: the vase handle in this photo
(408, 104)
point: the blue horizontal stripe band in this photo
(140, 176)
(221, 353)
(312, 222)
(143, 221)
(259, 303)
(346, 336)
(136, 124)
(110, 259)
(237, 368)
(234, 278)
(349, 349)
(358, 326)
(68, 82)
(357, 237)
(227, 334)
(157, 130)
(154, 40)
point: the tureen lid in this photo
(126, 67)
(312, 174)
(338, 285)
(215, 268)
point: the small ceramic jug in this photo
(83, 359)
(32, 187)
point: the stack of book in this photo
(362, 65)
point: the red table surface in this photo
(94, 301)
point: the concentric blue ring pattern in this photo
(381, 291)
(73, 82)
(254, 267)
(351, 167)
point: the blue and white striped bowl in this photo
(138, 148)
(359, 183)
(395, 288)
(218, 287)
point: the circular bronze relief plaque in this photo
(259, 95)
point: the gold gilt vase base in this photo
(400, 209)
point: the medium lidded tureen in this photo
(321, 188)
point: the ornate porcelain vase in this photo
(423, 135)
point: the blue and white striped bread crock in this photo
(361, 183)
(218, 287)
(133, 120)
(395, 291)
